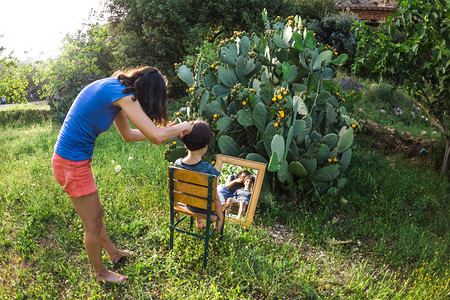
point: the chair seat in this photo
(181, 208)
(184, 210)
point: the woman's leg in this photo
(114, 253)
(91, 211)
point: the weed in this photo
(388, 239)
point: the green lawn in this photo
(386, 237)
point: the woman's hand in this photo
(239, 180)
(187, 128)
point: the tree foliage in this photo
(161, 33)
(414, 51)
(335, 31)
(316, 9)
(14, 79)
(86, 56)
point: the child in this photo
(196, 142)
(233, 183)
(242, 196)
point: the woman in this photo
(137, 95)
(233, 183)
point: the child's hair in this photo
(249, 177)
(199, 137)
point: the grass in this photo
(386, 105)
(386, 238)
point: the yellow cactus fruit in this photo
(276, 124)
(330, 160)
(244, 103)
(280, 97)
(353, 125)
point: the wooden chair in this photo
(195, 189)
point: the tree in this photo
(14, 79)
(86, 56)
(161, 33)
(316, 9)
(335, 31)
(415, 52)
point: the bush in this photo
(335, 31)
(267, 100)
(315, 9)
(24, 116)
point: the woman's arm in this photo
(128, 134)
(230, 182)
(146, 129)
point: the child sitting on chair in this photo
(242, 196)
(196, 142)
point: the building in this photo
(372, 11)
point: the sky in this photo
(34, 29)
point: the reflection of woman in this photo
(138, 96)
(233, 183)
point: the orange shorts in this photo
(75, 177)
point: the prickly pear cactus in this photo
(267, 99)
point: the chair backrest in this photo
(191, 188)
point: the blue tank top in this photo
(91, 113)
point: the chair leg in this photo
(221, 231)
(172, 229)
(191, 224)
(205, 255)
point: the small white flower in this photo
(112, 161)
(155, 255)
(117, 168)
(130, 158)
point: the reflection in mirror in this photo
(239, 185)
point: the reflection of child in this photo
(242, 196)
(196, 142)
(233, 183)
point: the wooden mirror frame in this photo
(260, 167)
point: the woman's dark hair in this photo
(246, 172)
(199, 137)
(150, 89)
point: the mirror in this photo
(241, 193)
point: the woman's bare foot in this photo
(109, 276)
(200, 224)
(115, 258)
